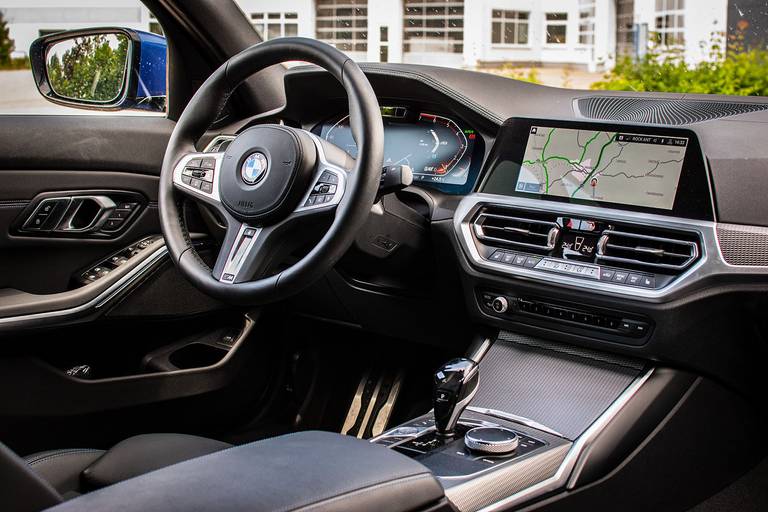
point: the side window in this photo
(84, 65)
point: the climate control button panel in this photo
(604, 324)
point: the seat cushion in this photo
(62, 468)
(74, 471)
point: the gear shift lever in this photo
(455, 385)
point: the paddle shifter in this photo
(455, 385)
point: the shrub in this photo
(742, 72)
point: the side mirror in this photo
(101, 69)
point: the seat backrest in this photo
(21, 489)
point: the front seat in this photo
(72, 472)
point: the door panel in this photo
(114, 323)
(89, 142)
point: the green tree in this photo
(6, 43)
(93, 68)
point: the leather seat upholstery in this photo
(75, 471)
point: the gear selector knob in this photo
(455, 385)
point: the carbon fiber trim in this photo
(481, 492)
(562, 387)
(665, 111)
(743, 245)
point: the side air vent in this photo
(500, 227)
(661, 111)
(648, 249)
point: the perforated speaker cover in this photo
(661, 111)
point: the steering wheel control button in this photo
(491, 440)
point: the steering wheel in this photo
(273, 184)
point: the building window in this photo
(343, 23)
(670, 23)
(587, 22)
(625, 28)
(433, 26)
(556, 28)
(271, 25)
(383, 44)
(509, 27)
(154, 26)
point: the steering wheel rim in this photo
(359, 177)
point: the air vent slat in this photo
(655, 250)
(500, 227)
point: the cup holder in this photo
(196, 355)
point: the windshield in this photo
(691, 46)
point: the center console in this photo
(511, 422)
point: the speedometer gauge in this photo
(435, 147)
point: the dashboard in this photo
(635, 237)
(443, 152)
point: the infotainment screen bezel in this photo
(693, 199)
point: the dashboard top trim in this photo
(711, 262)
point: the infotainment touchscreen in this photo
(605, 166)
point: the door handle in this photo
(86, 214)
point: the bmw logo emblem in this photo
(254, 168)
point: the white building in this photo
(459, 33)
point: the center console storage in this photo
(303, 471)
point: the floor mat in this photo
(747, 494)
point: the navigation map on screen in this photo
(615, 167)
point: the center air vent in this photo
(499, 227)
(645, 248)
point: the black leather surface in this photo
(315, 471)
(62, 468)
(21, 489)
(141, 454)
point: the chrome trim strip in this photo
(710, 263)
(100, 300)
(514, 418)
(562, 478)
(240, 250)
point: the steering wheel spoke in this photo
(197, 176)
(328, 185)
(241, 252)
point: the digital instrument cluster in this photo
(442, 152)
